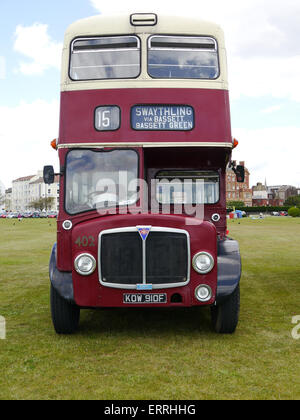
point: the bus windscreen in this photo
(98, 179)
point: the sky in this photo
(263, 48)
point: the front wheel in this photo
(65, 315)
(225, 317)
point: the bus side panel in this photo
(211, 106)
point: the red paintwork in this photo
(212, 123)
(89, 292)
(212, 115)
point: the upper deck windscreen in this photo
(105, 58)
(175, 57)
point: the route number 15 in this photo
(107, 118)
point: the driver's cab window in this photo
(100, 179)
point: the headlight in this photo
(85, 264)
(203, 293)
(203, 262)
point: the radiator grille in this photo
(166, 258)
(122, 258)
(161, 260)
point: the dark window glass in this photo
(174, 57)
(105, 58)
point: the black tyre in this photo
(225, 317)
(65, 315)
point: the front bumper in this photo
(228, 279)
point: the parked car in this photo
(284, 213)
(35, 215)
(275, 213)
(43, 215)
(15, 215)
(52, 215)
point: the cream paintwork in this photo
(120, 25)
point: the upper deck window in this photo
(173, 57)
(105, 58)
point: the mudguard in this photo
(61, 281)
(229, 268)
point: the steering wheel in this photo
(102, 197)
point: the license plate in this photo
(146, 298)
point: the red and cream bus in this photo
(144, 142)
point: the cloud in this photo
(35, 43)
(271, 109)
(25, 134)
(261, 37)
(258, 77)
(271, 153)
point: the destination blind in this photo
(162, 117)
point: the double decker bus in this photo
(144, 142)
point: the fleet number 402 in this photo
(85, 241)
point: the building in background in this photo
(278, 194)
(32, 188)
(38, 190)
(260, 195)
(274, 196)
(238, 191)
(20, 193)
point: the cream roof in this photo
(120, 25)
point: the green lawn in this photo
(152, 354)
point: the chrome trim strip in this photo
(144, 263)
(148, 144)
(155, 286)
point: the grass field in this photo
(152, 354)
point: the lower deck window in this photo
(187, 187)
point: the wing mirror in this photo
(48, 175)
(240, 173)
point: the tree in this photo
(7, 204)
(293, 201)
(48, 202)
(236, 204)
(44, 203)
(294, 212)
